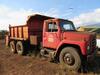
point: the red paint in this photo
(80, 39)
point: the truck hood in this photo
(78, 36)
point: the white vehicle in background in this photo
(98, 43)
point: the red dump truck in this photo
(55, 38)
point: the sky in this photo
(81, 12)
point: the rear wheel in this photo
(20, 48)
(70, 59)
(12, 47)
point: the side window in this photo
(52, 27)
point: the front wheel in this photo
(70, 59)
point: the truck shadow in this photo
(34, 51)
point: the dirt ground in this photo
(13, 64)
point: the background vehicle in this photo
(56, 38)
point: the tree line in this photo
(3, 33)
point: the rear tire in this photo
(20, 48)
(13, 47)
(70, 59)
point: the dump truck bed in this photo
(33, 27)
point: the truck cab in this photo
(62, 41)
(53, 32)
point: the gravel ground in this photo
(13, 64)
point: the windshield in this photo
(67, 26)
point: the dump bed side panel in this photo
(19, 32)
(25, 32)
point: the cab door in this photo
(51, 36)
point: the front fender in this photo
(81, 44)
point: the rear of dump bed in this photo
(32, 31)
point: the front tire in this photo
(70, 59)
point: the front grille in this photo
(93, 45)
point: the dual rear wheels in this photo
(12, 47)
(17, 47)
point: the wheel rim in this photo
(68, 59)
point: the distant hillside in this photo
(93, 26)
